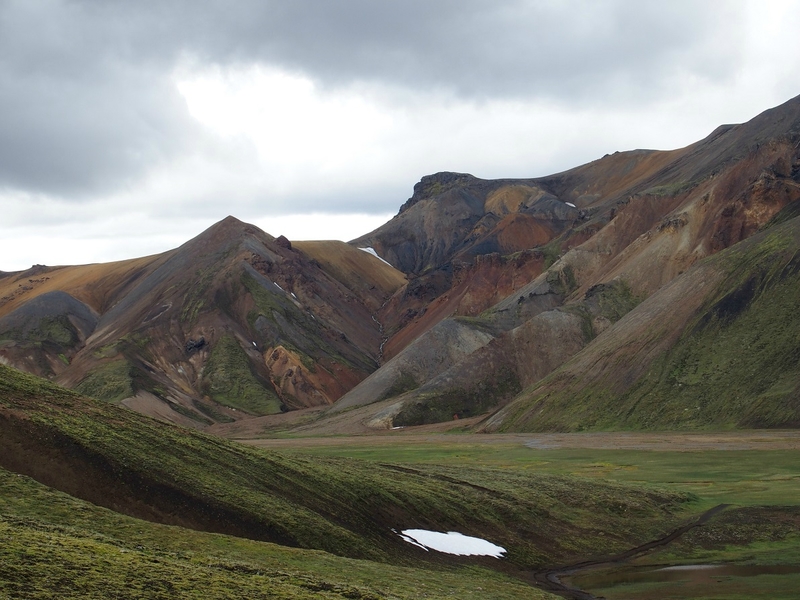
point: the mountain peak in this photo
(435, 184)
(228, 230)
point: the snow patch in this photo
(370, 250)
(451, 542)
(570, 204)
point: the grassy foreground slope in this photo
(137, 466)
(717, 348)
(55, 545)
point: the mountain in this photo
(234, 323)
(522, 297)
(645, 218)
(716, 347)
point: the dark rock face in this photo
(193, 345)
(283, 242)
(27, 319)
(438, 183)
(457, 215)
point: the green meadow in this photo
(99, 502)
(758, 533)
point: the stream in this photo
(551, 580)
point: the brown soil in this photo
(92, 284)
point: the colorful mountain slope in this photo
(718, 347)
(647, 218)
(495, 285)
(233, 323)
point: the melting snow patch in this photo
(451, 542)
(369, 250)
(570, 204)
(690, 567)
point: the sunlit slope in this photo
(96, 285)
(141, 467)
(718, 347)
(358, 270)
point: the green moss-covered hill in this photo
(717, 348)
(143, 468)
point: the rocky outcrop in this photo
(43, 335)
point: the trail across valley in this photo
(670, 441)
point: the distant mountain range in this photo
(647, 289)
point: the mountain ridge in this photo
(496, 284)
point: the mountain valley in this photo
(466, 300)
(596, 370)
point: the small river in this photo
(703, 578)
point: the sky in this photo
(127, 128)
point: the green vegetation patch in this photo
(403, 383)
(195, 299)
(111, 382)
(562, 280)
(670, 189)
(56, 331)
(788, 212)
(738, 364)
(57, 546)
(613, 300)
(501, 385)
(228, 378)
(551, 251)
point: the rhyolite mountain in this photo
(233, 323)
(644, 289)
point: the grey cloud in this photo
(475, 48)
(65, 139)
(86, 102)
(82, 109)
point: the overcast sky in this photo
(127, 128)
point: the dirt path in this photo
(671, 441)
(550, 580)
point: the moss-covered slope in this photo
(718, 348)
(141, 467)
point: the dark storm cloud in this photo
(81, 109)
(87, 104)
(566, 49)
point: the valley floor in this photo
(611, 440)
(750, 548)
